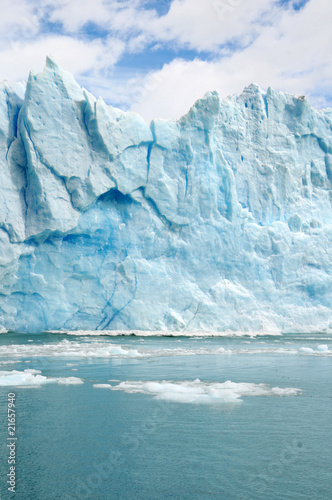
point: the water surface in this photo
(159, 418)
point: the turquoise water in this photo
(188, 439)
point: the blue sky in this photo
(158, 57)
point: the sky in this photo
(158, 57)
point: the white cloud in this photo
(292, 55)
(252, 41)
(199, 25)
(73, 14)
(208, 25)
(24, 45)
(78, 56)
(121, 16)
(14, 26)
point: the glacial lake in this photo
(156, 418)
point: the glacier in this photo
(220, 221)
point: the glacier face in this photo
(220, 221)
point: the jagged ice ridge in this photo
(219, 221)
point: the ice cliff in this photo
(219, 221)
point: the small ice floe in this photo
(33, 378)
(199, 392)
(67, 380)
(306, 350)
(320, 349)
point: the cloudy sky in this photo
(158, 56)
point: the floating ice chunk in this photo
(102, 386)
(68, 380)
(33, 378)
(306, 350)
(323, 348)
(199, 392)
(119, 351)
(25, 378)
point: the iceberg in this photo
(220, 221)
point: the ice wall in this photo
(219, 221)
